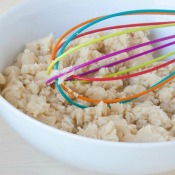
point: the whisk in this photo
(59, 53)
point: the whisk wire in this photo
(80, 28)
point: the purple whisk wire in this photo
(127, 59)
(114, 54)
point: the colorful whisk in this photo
(59, 53)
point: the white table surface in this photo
(18, 157)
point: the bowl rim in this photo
(11, 108)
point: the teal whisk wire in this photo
(89, 25)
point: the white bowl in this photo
(37, 18)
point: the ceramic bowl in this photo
(35, 19)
